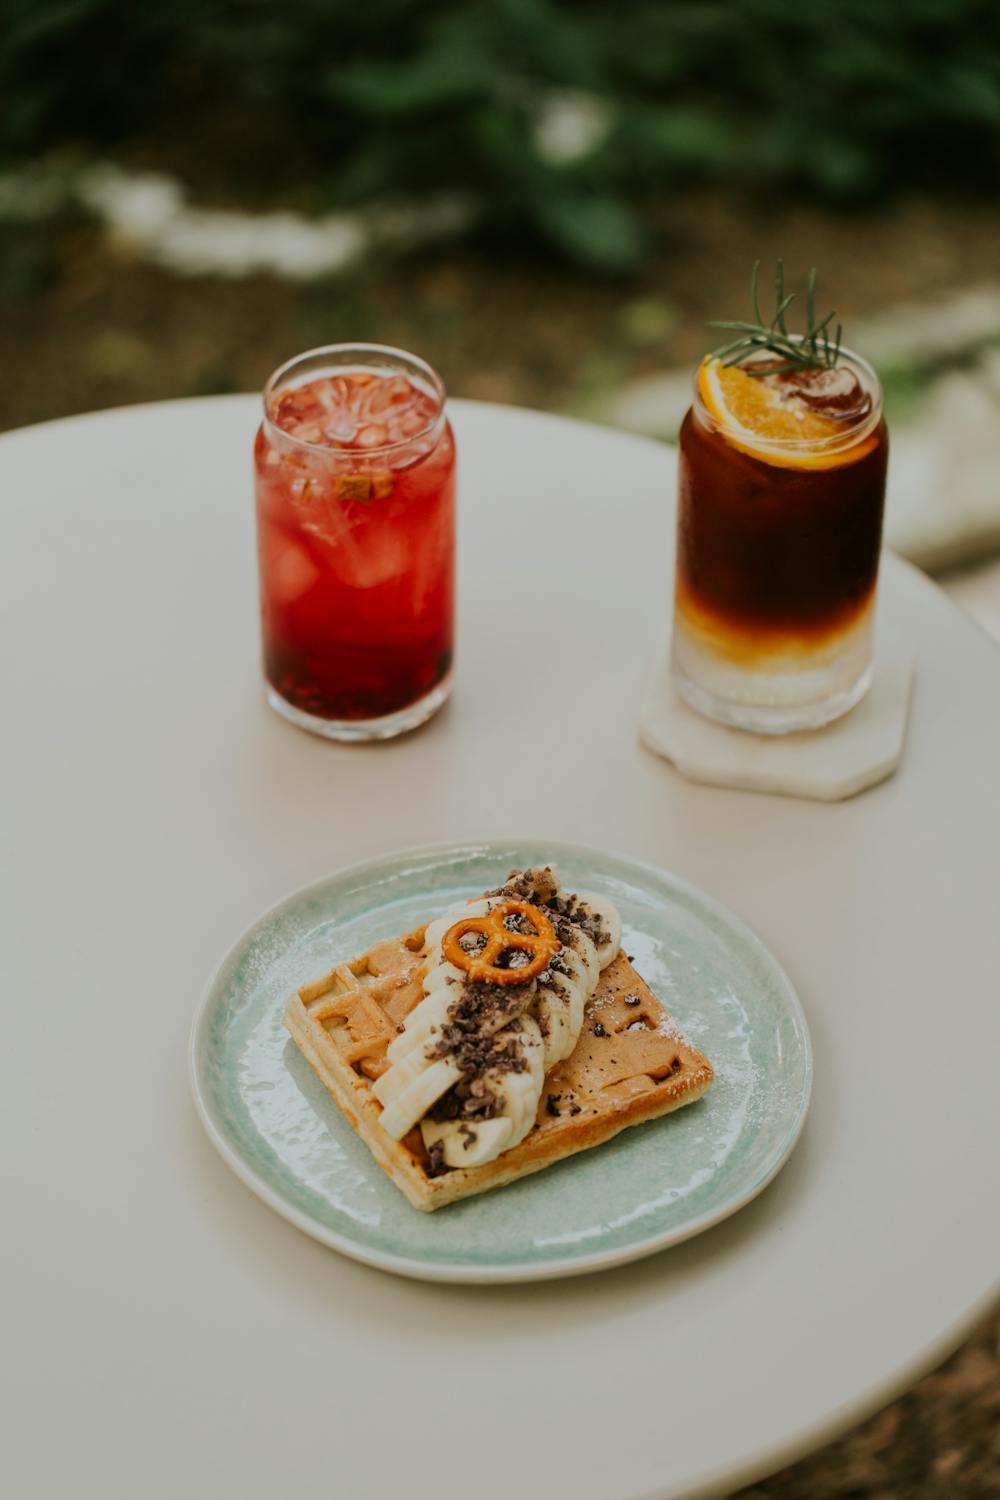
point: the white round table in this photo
(166, 1334)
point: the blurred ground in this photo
(85, 324)
(90, 326)
(939, 1442)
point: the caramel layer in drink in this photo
(774, 559)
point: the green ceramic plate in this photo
(654, 1185)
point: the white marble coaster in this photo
(855, 752)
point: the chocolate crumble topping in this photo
(568, 908)
(469, 1099)
(482, 1032)
(436, 1165)
(463, 1041)
(537, 885)
(477, 1008)
(513, 958)
(515, 921)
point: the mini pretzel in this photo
(482, 967)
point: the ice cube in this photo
(428, 566)
(335, 521)
(372, 436)
(407, 424)
(291, 572)
(307, 489)
(293, 408)
(385, 395)
(340, 418)
(836, 393)
(384, 557)
(398, 389)
(338, 391)
(359, 554)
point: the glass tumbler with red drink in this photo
(355, 482)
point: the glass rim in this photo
(402, 356)
(851, 434)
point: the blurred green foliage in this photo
(569, 121)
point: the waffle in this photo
(629, 1065)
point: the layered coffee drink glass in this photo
(781, 491)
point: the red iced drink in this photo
(355, 471)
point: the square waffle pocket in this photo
(629, 1064)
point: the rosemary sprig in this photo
(816, 349)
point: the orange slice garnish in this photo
(759, 419)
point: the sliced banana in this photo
(522, 1091)
(397, 1078)
(435, 931)
(576, 998)
(485, 1141)
(471, 1143)
(580, 956)
(552, 1014)
(560, 1013)
(440, 974)
(584, 962)
(413, 1083)
(394, 1082)
(399, 1086)
(607, 914)
(428, 1018)
(409, 1103)
(418, 1040)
